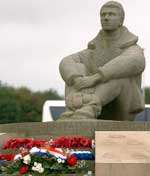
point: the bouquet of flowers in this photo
(63, 155)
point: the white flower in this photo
(34, 168)
(27, 159)
(18, 157)
(38, 167)
(41, 170)
(81, 163)
(59, 160)
(63, 161)
(35, 163)
(89, 173)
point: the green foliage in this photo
(22, 104)
(147, 95)
(50, 165)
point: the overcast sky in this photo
(36, 34)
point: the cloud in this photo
(36, 34)
(38, 11)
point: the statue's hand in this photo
(87, 81)
(84, 82)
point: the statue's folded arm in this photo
(68, 70)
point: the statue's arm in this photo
(130, 63)
(74, 66)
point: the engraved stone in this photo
(122, 153)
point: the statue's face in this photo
(110, 18)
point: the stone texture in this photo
(58, 128)
(122, 153)
(99, 78)
(122, 169)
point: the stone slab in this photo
(122, 169)
(122, 153)
(58, 128)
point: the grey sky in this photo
(36, 34)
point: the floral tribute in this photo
(63, 155)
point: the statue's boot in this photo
(86, 112)
(66, 115)
(91, 107)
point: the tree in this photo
(22, 104)
(147, 95)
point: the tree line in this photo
(147, 95)
(22, 104)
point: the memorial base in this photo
(57, 128)
(122, 153)
(84, 128)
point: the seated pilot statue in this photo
(104, 80)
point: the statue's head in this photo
(112, 15)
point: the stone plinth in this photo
(122, 153)
(58, 128)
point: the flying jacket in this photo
(112, 58)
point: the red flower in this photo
(8, 157)
(72, 142)
(72, 160)
(85, 142)
(24, 169)
(23, 142)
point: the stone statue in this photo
(104, 80)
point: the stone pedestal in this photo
(122, 153)
(59, 128)
(139, 163)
